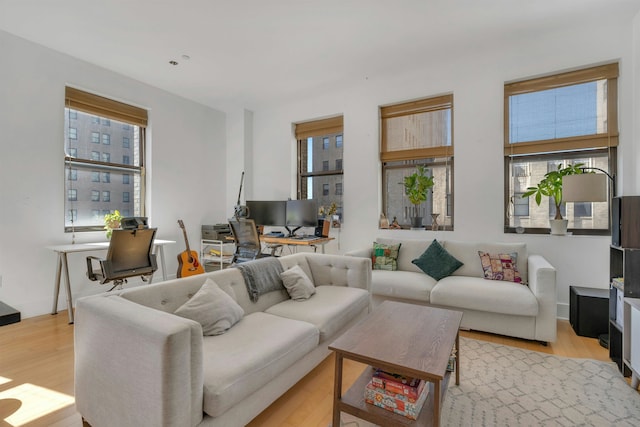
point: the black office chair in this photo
(129, 255)
(248, 246)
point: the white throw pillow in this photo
(298, 284)
(213, 308)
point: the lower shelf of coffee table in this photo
(353, 403)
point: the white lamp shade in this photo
(586, 187)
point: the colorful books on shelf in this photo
(396, 393)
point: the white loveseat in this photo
(525, 310)
(138, 364)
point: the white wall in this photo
(476, 75)
(186, 176)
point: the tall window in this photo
(88, 114)
(418, 133)
(552, 121)
(318, 148)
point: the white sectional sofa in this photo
(526, 310)
(139, 364)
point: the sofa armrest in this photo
(338, 270)
(363, 253)
(124, 349)
(542, 282)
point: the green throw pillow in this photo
(437, 262)
(385, 257)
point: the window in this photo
(73, 152)
(73, 175)
(338, 164)
(72, 194)
(125, 196)
(125, 160)
(338, 141)
(73, 133)
(338, 189)
(558, 120)
(317, 151)
(418, 133)
(95, 172)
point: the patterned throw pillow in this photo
(385, 257)
(500, 267)
(437, 262)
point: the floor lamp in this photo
(589, 187)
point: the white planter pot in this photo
(558, 226)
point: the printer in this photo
(216, 231)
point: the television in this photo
(267, 212)
(301, 213)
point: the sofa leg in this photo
(544, 343)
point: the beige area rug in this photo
(508, 386)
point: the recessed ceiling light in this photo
(186, 57)
(173, 62)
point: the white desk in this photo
(63, 250)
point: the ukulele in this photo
(188, 264)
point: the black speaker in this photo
(589, 311)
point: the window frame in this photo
(323, 129)
(103, 111)
(565, 148)
(442, 155)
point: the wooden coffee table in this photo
(406, 339)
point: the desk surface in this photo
(96, 246)
(292, 241)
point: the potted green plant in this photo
(551, 186)
(416, 188)
(111, 222)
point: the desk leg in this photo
(56, 284)
(67, 283)
(164, 264)
(457, 365)
(337, 391)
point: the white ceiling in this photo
(254, 52)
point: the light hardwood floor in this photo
(36, 376)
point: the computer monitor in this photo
(301, 213)
(267, 212)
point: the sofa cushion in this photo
(331, 308)
(385, 257)
(411, 249)
(437, 262)
(213, 308)
(255, 351)
(402, 284)
(298, 284)
(500, 266)
(467, 253)
(476, 293)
